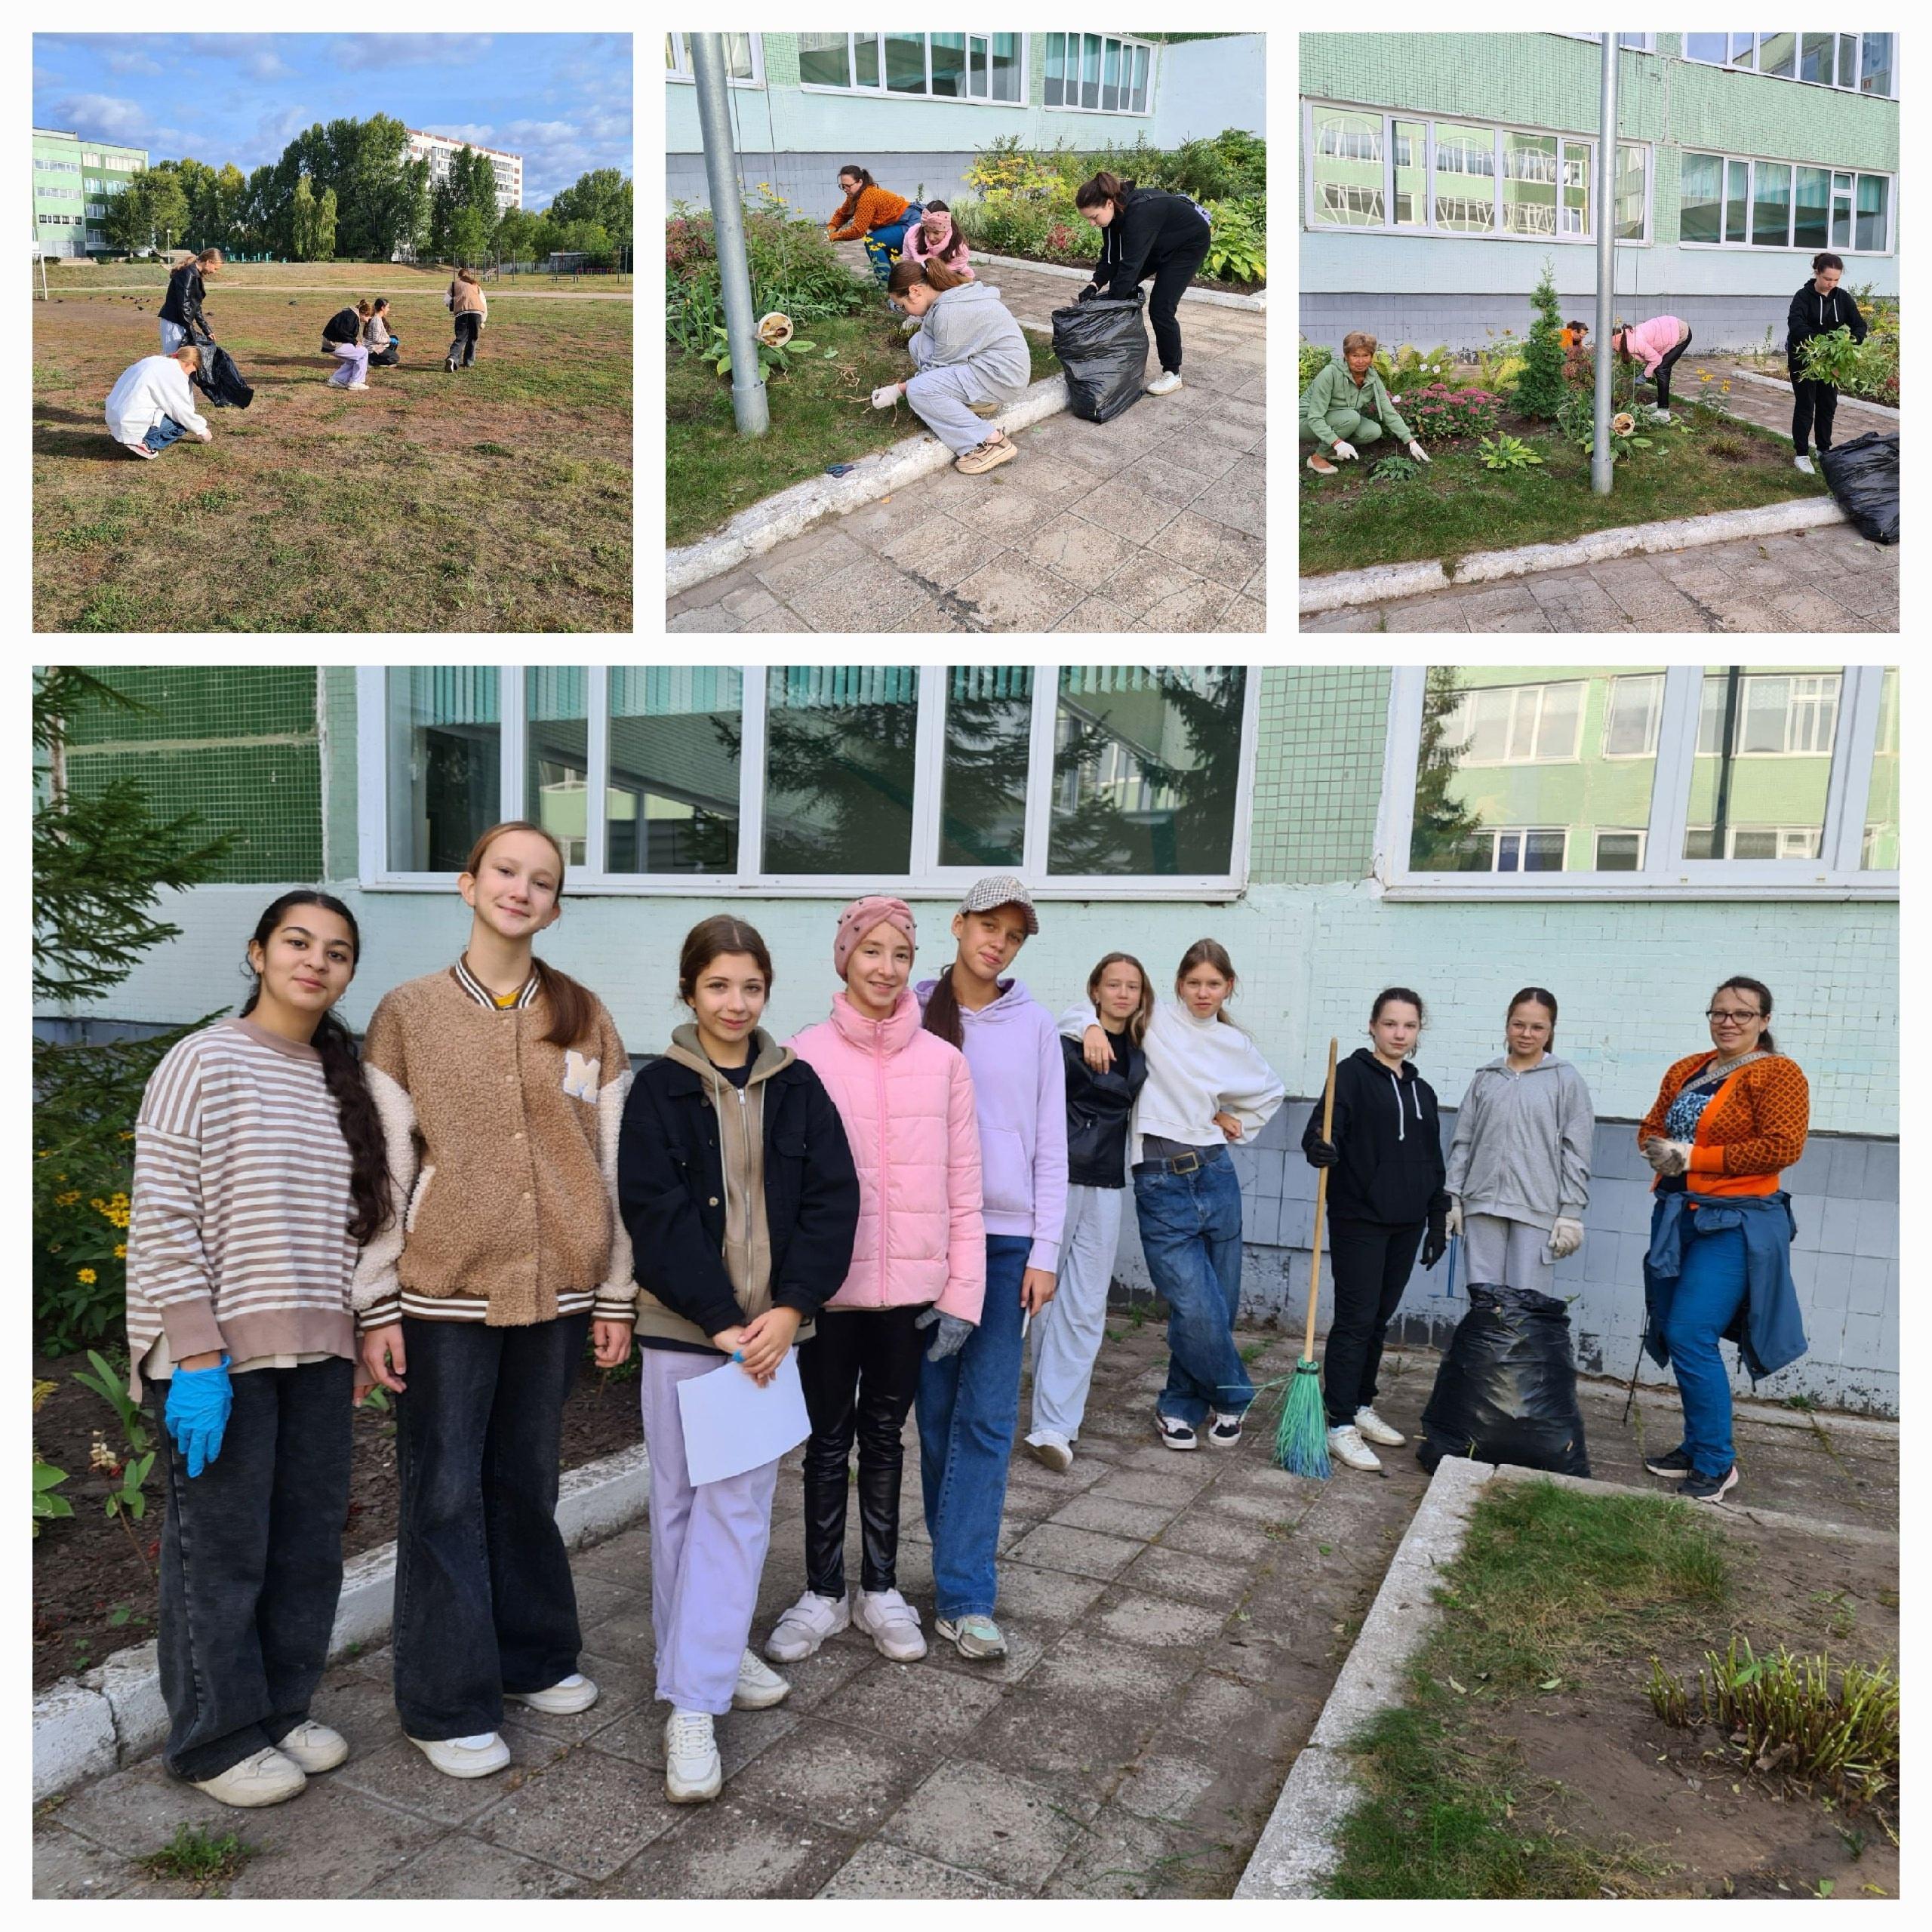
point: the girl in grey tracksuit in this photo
(970, 358)
(1518, 1172)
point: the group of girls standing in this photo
(897, 1193)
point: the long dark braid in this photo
(943, 1012)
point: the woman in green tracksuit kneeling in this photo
(1346, 406)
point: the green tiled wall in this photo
(1318, 773)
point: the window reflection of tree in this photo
(983, 795)
(1444, 834)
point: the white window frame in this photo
(1541, 686)
(1750, 163)
(1312, 105)
(1787, 751)
(1835, 875)
(1599, 833)
(1652, 722)
(926, 877)
(1496, 832)
(1125, 41)
(882, 92)
(681, 45)
(1836, 85)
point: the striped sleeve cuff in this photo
(614, 1308)
(382, 1314)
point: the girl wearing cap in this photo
(906, 1098)
(969, 1385)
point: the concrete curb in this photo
(1344, 589)
(1219, 297)
(1296, 1849)
(768, 524)
(1784, 389)
(113, 1715)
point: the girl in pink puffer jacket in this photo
(918, 1271)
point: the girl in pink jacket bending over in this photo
(918, 1263)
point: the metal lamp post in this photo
(749, 404)
(1601, 464)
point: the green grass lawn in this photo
(372, 278)
(1456, 506)
(821, 413)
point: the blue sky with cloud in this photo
(562, 101)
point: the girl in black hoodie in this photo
(1818, 307)
(1144, 232)
(1385, 1188)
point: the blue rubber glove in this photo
(951, 1337)
(198, 1402)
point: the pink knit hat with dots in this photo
(860, 917)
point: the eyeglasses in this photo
(1731, 1019)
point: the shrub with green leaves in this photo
(1238, 249)
(1316, 356)
(1540, 388)
(1501, 452)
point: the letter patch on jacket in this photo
(579, 1076)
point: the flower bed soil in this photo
(85, 1571)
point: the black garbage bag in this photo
(1102, 346)
(1507, 1391)
(1864, 477)
(220, 381)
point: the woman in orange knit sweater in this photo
(873, 215)
(1724, 1125)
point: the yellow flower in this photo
(1725, 385)
(87, 1277)
(120, 1250)
(1703, 375)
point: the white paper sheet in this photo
(731, 1425)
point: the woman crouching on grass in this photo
(970, 359)
(341, 337)
(1345, 408)
(258, 1166)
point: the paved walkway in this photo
(1155, 521)
(1771, 408)
(1176, 1623)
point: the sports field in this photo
(497, 499)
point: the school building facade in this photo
(1439, 171)
(74, 180)
(914, 108)
(1625, 835)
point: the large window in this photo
(1859, 64)
(1373, 170)
(987, 67)
(1840, 209)
(1092, 780)
(744, 58)
(1100, 73)
(1641, 778)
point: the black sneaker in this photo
(1223, 1432)
(1709, 1489)
(1175, 1435)
(1672, 1462)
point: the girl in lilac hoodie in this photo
(1657, 344)
(969, 1384)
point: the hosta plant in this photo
(1507, 453)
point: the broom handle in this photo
(1321, 1206)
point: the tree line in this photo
(348, 189)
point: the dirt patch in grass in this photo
(1527, 1762)
(821, 413)
(316, 509)
(92, 1594)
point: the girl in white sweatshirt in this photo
(1207, 1085)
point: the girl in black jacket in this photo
(1143, 232)
(1100, 1109)
(1818, 307)
(1385, 1188)
(737, 1185)
(181, 318)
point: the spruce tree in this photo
(1539, 388)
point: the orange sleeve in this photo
(1778, 1104)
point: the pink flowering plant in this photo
(1440, 414)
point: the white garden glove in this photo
(1345, 452)
(1454, 1223)
(1668, 1157)
(1417, 451)
(884, 398)
(206, 435)
(1565, 1237)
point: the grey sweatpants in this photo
(942, 398)
(1066, 1332)
(1500, 1254)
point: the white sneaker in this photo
(1804, 463)
(1346, 1445)
(475, 1757)
(1176, 1435)
(759, 1687)
(891, 1622)
(1370, 1425)
(1663, 416)
(806, 1626)
(564, 1699)
(693, 1771)
(313, 1747)
(267, 1778)
(1054, 1451)
(1165, 383)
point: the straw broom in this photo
(1301, 1442)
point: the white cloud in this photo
(106, 118)
(255, 52)
(274, 131)
(479, 131)
(134, 63)
(556, 152)
(357, 51)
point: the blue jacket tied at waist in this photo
(1769, 1330)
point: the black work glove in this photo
(1322, 1153)
(1435, 1243)
(1087, 293)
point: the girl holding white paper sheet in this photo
(737, 1187)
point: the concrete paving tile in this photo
(1128, 513)
(1228, 1539)
(780, 619)
(869, 596)
(871, 523)
(1039, 1599)
(66, 1865)
(638, 1738)
(460, 1867)
(363, 1710)
(1055, 483)
(1144, 579)
(1200, 455)
(624, 1558)
(882, 1871)
(729, 1849)
(846, 1780)
(1079, 551)
(1014, 594)
(1085, 1662)
(928, 1712)
(1117, 1516)
(1212, 548)
(1026, 1643)
(1055, 1546)
(1126, 1856)
(1216, 1709)
(972, 1817)
(752, 601)
(1003, 509)
(823, 1674)
(711, 617)
(1422, 613)
(1077, 1747)
(1164, 1786)
(137, 1811)
(326, 1843)
(929, 547)
(807, 562)
(1096, 617)
(1158, 1623)
(588, 1813)
(1178, 1573)
(1167, 482)
(1355, 617)
(401, 1776)
(1199, 606)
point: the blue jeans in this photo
(969, 1408)
(163, 432)
(1190, 1230)
(1708, 1295)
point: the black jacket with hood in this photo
(1100, 1107)
(1813, 314)
(345, 326)
(673, 1195)
(183, 306)
(1389, 1142)
(1152, 229)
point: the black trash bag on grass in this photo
(1102, 346)
(219, 379)
(1507, 1391)
(1864, 477)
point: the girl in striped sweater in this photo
(258, 1167)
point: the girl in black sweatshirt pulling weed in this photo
(1819, 306)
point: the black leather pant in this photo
(860, 1371)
